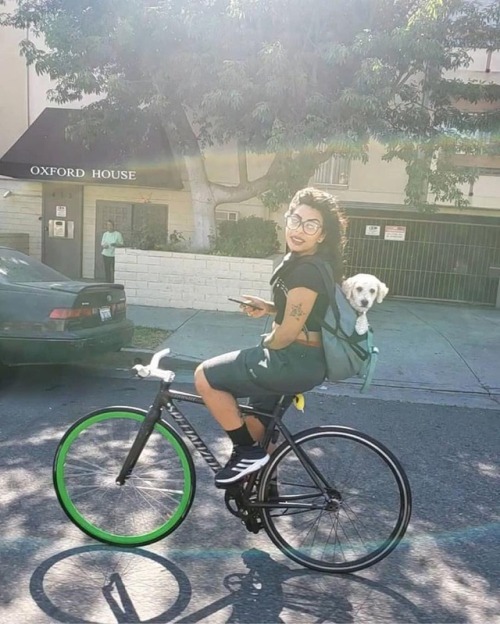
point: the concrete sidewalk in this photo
(430, 353)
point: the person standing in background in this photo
(111, 239)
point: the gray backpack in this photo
(347, 353)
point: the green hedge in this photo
(250, 237)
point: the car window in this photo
(17, 268)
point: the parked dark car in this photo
(46, 317)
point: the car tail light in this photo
(71, 313)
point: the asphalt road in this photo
(211, 569)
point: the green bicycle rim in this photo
(98, 533)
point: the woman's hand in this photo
(263, 307)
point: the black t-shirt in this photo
(300, 274)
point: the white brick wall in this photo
(184, 280)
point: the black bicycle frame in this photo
(165, 400)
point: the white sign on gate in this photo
(61, 212)
(372, 230)
(395, 232)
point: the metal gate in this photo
(427, 259)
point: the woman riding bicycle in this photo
(290, 358)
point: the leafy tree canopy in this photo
(299, 80)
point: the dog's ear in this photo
(348, 286)
(382, 292)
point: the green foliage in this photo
(295, 172)
(150, 238)
(250, 237)
(148, 337)
(292, 175)
(440, 180)
(281, 76)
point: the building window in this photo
(225, 215)
(333, 172)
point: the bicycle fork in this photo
(145, 430)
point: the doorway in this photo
(62, 218)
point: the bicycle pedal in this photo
(231, 488)
(253, 524)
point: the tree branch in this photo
(224, 194)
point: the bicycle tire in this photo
(143, 510)
(368, 520)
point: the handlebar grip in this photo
(153, 369)
(142, 371)
(155, 360)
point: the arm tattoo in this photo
(296, 311)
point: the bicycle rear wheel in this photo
(154, 499)
(369, 507)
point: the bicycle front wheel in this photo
(363, 515)
(154, 499)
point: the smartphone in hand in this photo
(249, 305)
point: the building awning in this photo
(44, 153)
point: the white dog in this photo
(362, 290)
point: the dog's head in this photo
(362, 290)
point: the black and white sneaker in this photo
(243, 461)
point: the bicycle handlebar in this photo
(155, 360)
(153, 370)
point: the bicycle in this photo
(331, 498)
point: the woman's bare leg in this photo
(222, 405)
(224, 408)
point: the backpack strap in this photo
(331, 288)
(283, 267)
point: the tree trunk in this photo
(203, 204)
(206, 195)
(204, 221)
(202, 197)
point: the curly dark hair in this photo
(334, 225)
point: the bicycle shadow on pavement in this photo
(97, 584)
(270, 591)
(100, 584)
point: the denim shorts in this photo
(259, 371)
